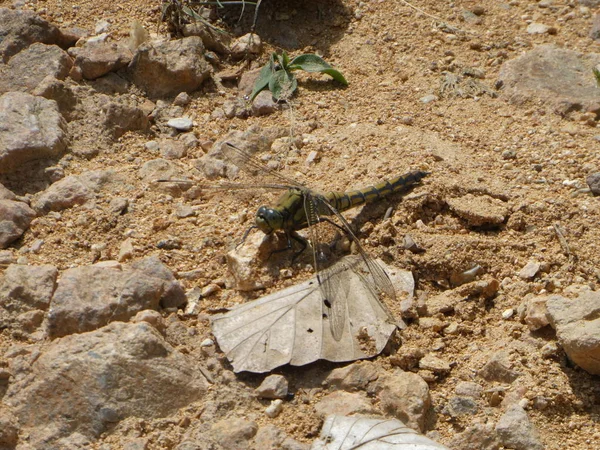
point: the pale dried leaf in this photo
(346, 433)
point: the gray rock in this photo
(32, 128)
(479, 210)
(24, 288)
(434, 364)
(595, 29)
(182, 99)
(516, 431)
(577, 325)
(21, 28)
(90, 297)
(272, 387)
(476, 437)
(15, 218)
(593, 181)
(469, 389)
(122, 115)
(538, 28)
(356, 376)
(94, 61)
(530, 270)
(558, 77)
(6, 194)
(344, 404)
(405, 395)
(181, 123)
(269, 437)
(87, 383)
(459, 406)
(26, 70)
(173, 295)
(263, 104)
(498, 368)
(168, 68)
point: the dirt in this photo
(378, 127)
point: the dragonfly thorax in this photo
(268, 219)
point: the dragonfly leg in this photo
(303, 242)
(245, 236)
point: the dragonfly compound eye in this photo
(268, 220)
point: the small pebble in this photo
(428, 98)
(529, 271)
(126, 250)
(182, 99)
(181, 123)
(507, 314)
(273, 387)
(274, 409)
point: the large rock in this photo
(173, 295)
(21, 28)
(90, 297)
(31, 128)
(82, 385)
(559, 77)
(168, 68)
(15, 218)
(26, 70)
(577, 324)
(516, 431)
(94, 61)
(405, 395)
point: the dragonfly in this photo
(301, 207)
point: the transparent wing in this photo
(249, 164)
(374, 276)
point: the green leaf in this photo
(282, 85)
(314, 63)
(264, 77)
(597, 75)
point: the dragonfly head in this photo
(268, 220)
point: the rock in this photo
(538, 28)
(121, 115)
(405, 395)
(216, 41)
(15, 218)
(63, 194)
(272, 387)
(595, 29)
(469, 389)
(498, 368)
(173, 295)
(26, 70)
(126, 250)
(94, 61)
(434, 364)
(23, 288)
(246, 44)
(536, 313)
(181, 123)
(593, 181)
(233, 432)
(356, 376)
(9, 429)
(32, 129)
(558, 77)
(459, 406)
(274, 409)
(476, 437)
(21, 28)
(577, 325)
(170, 67)
(480, 210)
(344, 404)
(530, 270)
(85, 384)
(189, 141)
(170, 149)
(152, 317)
(53, 89)
(6, 194)
(90, 297)
(263, 104)
(516, 431)
(241, 262)
(428, 98)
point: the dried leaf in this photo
(346, 433)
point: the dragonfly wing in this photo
(330, 283)
(375, 277)
(249, 164)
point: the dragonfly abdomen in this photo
(346, 200)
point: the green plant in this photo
(277, 74)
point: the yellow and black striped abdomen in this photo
(346, 200)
